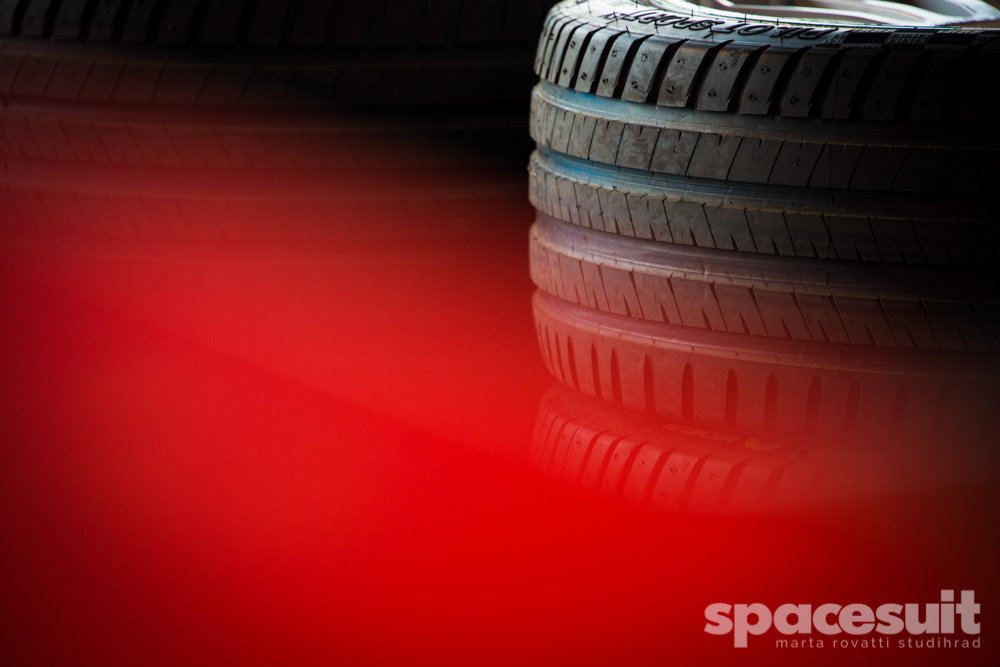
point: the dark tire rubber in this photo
(769, 226)
(635, 52)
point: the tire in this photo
(286, 54)
(729, 233)
(639, 51)
(777, 221)
(762, 130)
(675, 467)
(670, 466)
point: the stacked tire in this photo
(770, 226)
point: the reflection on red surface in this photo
(687, 468)
(304, 450)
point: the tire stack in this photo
(766, 226)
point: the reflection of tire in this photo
(769, 226)
(777, 298)
(236, 175)
(837, 394)
(272, 54)
(210, 119)
(673, 466)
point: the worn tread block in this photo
(565, 37)
(33, 76)
(781, 315)
(581, 136)
(956, 326)
(810, 235)
(548, 44)
(835, 166)
(759, 89)
(589, 206)
(697, 304)
(770, 233)
(730, 229)
(561, 131)
(615, 213)
(589, 74)
(642, 75)
(688, 224)
(636, 148)
(864, 321)
(922, 169)
(649, 220)
(800, 93)
(794, 163)
(839, 101)
(718, 88)
(620, 291)
(572, 60)
(909, 323)
(819, 313)
(889, 84)
(673, 151)
(568, 209)
(877, 167)
(607, 139)
(678, 79)
(896, 240)
(713, 156)
(545, 38)
(852, 238)
(739, 310)
(565, 69)
(754, 160)
(614, 70)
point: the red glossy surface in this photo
(315, 453)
